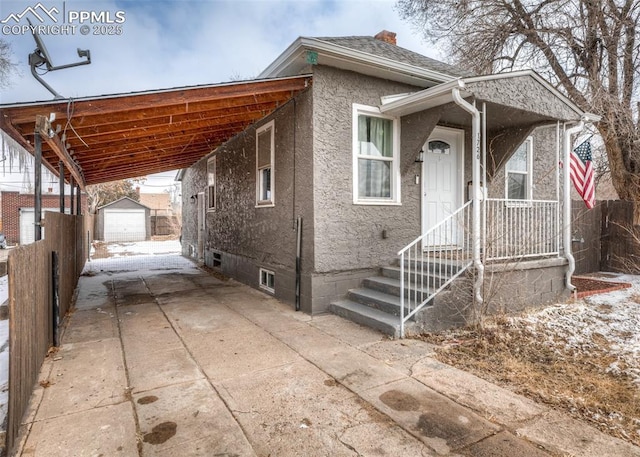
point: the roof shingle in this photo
(380, 48)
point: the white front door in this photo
(442, 178)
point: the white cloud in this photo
(180, 43)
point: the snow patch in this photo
(599, 324)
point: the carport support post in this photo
(78, 201)
(37, 191)
(71, 189)
(61, 166)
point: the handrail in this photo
(450, 236)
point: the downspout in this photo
(475, 183)
(566, 204)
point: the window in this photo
(267, 280)
(216, 259)
(211, 183)
(376, 175)
(519, 184)
(264, 165)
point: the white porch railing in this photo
(432, 261)
(513, 229)
(521, 229)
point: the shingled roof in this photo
(380, 48)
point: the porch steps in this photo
(376, 303)
(367, 316)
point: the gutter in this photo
(475, 176)
(566, 194)
(566, 204)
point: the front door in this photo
(442, 178)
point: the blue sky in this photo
(183, 42)
(172, 43)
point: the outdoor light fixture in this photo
(193, 199)
(420, 157)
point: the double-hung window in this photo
(376, 175)
(518, 173)
(265, 146)
(211, 183)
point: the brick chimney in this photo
(386, 36)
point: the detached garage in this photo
(123, 220)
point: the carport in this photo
(91, 140)
(119, 136)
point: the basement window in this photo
(216, 260)
(267, 280)
(265, 152)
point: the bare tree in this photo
(7, 65)
(102, 194)
(590, 49)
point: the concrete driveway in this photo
(182, 363)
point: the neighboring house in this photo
(123, 220)
(163, 221)
(313, 203)
(17, 214)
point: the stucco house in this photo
(396, 190)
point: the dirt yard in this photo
(582, 357)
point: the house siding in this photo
(249, 238)
(543, 171)
(343, 242)
(349, 236)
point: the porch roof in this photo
(513, 99)
(113, 137)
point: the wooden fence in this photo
(606, 238)
(31, 292)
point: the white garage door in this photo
(124, 225)
(27, 223)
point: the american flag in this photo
(581, 173)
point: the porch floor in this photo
(179, 362)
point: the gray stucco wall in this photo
(524, 93)
(544, 167)
(342, 242)
(349, 236)
(249, 238)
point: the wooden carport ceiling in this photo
(129, 135)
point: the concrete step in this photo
(392, 287)
(367, 316)
(387, 303)
(428, 279)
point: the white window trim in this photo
(529, 173)
(265, 286)
(395, 199)
(210, 207)
(272, 202)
